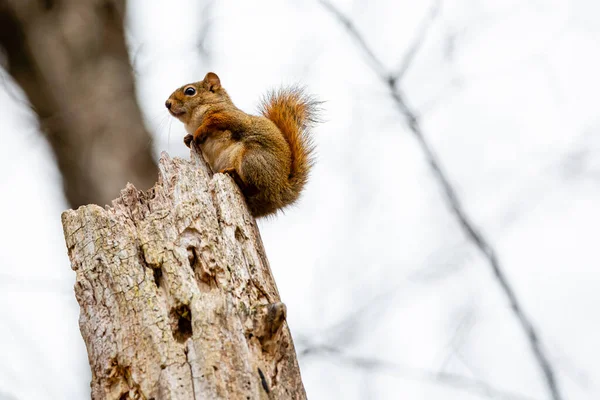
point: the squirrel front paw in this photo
(188, 140)
(201, 134)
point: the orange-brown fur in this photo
(269, 156)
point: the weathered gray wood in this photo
(176, 294)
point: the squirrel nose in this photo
(168, 104)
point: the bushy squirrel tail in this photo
(294, 113)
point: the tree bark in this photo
(176, 293)
(71, 60)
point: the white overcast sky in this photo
(508, 96)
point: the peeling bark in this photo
(176, 294)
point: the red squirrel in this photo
(269, 156)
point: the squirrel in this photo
(268, 156)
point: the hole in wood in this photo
(157, 276)
(239, 235)
(263, 380)
(181, 324)
(192, 257)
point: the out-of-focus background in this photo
(446, 246)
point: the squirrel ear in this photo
(212, 81)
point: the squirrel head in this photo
(190, 102)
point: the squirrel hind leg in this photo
(266, 184)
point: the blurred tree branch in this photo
(205, 30)
(392, 81)
(424, 29)
(6, 396)
(440, 378)
(71, 60)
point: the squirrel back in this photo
(294, 113)
(269, 156)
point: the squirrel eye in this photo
(190, 91)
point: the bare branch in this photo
(206, 23)
(456, 381)
(360, 41)
(424, 29)
(465, 221)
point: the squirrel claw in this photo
(188, 140)
(234, 175)
(229, 171)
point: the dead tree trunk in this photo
(176, 294)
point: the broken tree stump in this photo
(176, 294)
